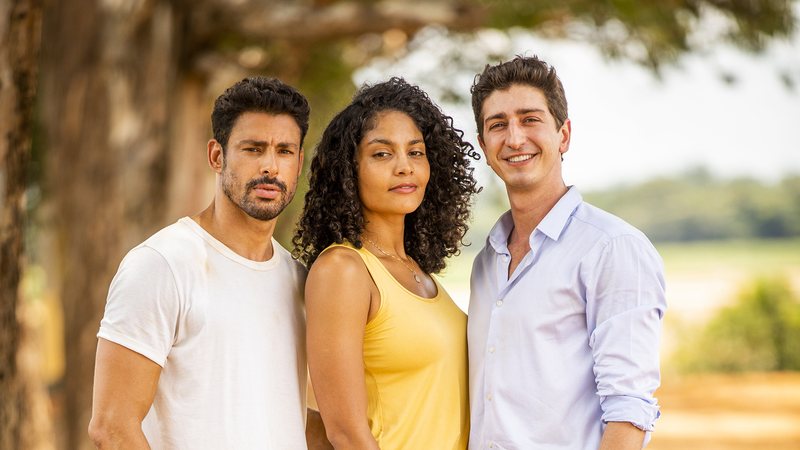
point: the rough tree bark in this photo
(108, 69)
(20, 27)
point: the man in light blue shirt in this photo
(567, 300)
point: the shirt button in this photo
(499, 303)
(491, 444)
(491, 349)
(489, 397)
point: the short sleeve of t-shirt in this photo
(143, 305)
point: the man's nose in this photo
(516, 135)
(269, 163)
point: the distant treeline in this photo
(698, 206)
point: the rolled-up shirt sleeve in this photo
(625, 306)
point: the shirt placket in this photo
(504, 284)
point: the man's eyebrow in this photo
(519, 112)
(257, 143)
(253, 142)
(523, 111)
(499, 115)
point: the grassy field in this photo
(729, 412)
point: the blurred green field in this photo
(755, 256)
(701, 276)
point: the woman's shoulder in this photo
(339, 260)
(338, 278)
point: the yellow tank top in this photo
(415, 366)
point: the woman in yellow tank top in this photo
(388, 201)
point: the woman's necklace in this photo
(413, 272)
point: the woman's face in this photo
(393, 168)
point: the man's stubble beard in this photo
(258, 209)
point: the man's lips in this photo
(404, 188)
(267, 191)
(520, 158)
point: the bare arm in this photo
(124, 386)
(338, 299)
(316, 438)
(621, 436)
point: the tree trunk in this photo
(20, 27)
(108, 71)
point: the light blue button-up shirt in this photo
(570, 340)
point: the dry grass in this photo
(729, 412)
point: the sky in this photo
(627, 124)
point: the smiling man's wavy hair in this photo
(524, 70)
(332, 212)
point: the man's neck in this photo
(246, 236)
(529, 207)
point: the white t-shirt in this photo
(228, 333)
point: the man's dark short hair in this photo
(258, 94)
(522, 70)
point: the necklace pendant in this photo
(416, 278)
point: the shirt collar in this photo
(556, 220)
(551, 226)
(498, 236)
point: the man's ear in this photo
(483, 148)
(566, 134)
(300, 166)
(216, 157)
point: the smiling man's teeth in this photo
(520, 158)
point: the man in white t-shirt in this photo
(202, 344)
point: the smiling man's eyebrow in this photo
(499, 115)
(522, 111)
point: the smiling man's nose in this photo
(516, 136)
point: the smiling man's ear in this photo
(566, 134)
(483, 148)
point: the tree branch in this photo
(267, 20)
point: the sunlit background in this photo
(686, 123)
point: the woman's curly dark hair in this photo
(332, 212)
